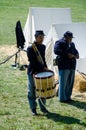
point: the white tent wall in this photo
(27, 29)
(43, 18)
(81, 65)
(49, 42)
(50, 56)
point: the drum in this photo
(45, 84)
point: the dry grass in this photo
(7, 51)
(80, 83)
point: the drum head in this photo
(46, 74)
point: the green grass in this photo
(13, 10)
(14, 109)
(15, 113)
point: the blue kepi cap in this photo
(39, 33)
(68, 34)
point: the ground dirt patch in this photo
(6, 51)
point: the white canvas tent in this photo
(54, 22)
(42, 19)
(57, 31)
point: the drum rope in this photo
(47, 86)
(50, 89)
(40, 85)
(53, 81)
(44, 104)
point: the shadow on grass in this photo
(5, 113)
(78, 104)
(64, 119)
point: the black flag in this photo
(19, 35)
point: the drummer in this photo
(35, 66)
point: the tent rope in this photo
(82, 74)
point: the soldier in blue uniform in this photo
(36, 66)
(66, 57)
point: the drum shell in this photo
(45, 86)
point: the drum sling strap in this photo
(38, 55)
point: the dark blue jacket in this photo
(35, 65)
(61, 49)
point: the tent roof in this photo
(43, 18)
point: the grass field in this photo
(13, 10)
(15, 112)
(14, 109)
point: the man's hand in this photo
(70, 56)
(77, 56)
